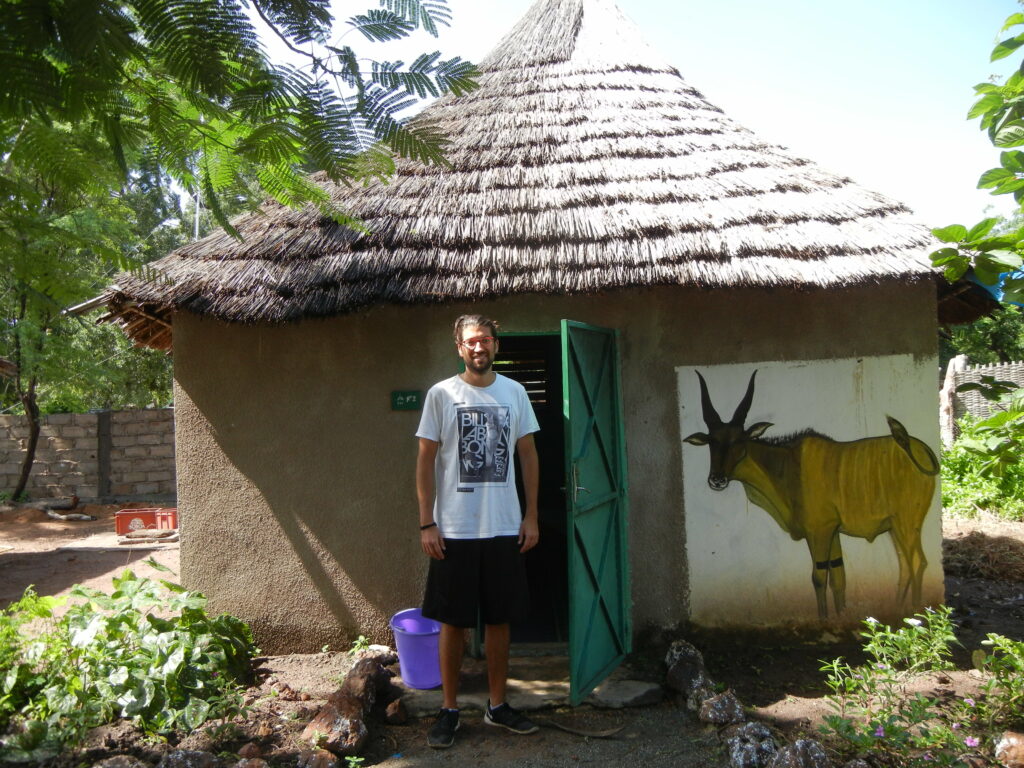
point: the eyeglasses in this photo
(484, 341)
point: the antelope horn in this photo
(744, 407)
(711, 417)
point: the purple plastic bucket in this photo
(416, 639)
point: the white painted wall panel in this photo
(743, 568)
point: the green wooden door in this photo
(600, 632)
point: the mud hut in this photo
(626, 233)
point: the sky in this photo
(877, 90)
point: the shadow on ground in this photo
(53, 572)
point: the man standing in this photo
(471, 525)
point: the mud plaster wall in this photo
(295, 479)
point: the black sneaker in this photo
(442, 733)
(509, 719)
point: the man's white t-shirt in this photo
(477, 428)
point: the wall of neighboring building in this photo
(110, 454)
(296, 492)
(972, 402)
(954, 405)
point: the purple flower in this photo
(927, 756)
(881, 666)
(879, 732)
(969, 701)
(970, 741)
(956, 726)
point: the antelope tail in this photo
(907, 443)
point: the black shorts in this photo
(485, 576)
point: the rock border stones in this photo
(340, 725)
(749, 744)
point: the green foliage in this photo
(107, 103)
(997, 338)
(57, 244)
(967, 489)
(983, 248)
(873, 714)
(982, 470)
(920, 646)
(875, 717)
(148, 652)
(109, 371)
(85, 366)
(997, 439)
(188, 85)
(359, 645)
(1003, 700)
(65, 362)
(989, 256)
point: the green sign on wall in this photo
(406, 400)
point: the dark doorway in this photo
(535, 361)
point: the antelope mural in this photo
(817, 488)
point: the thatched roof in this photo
(583, 163)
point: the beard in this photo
(479, 367)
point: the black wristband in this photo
(428, 525)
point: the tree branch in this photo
(284, 38)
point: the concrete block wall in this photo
(110, 454)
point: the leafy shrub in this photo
(981, 472)
(110, 657)
(875, 716)
(359, 645)
(920, 646)
(1003, 700)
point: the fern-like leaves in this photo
(301, 20)
(422, 14)
(381, 26)
(421, 143)
(93, 88)
(428, 76)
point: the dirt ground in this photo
(53, 555)
(777, 676)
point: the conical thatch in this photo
(583, 162)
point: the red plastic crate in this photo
(127, 520)
(167, 518)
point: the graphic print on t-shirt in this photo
(484, 445)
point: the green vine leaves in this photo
(991, 249)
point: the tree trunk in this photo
(28, 401)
